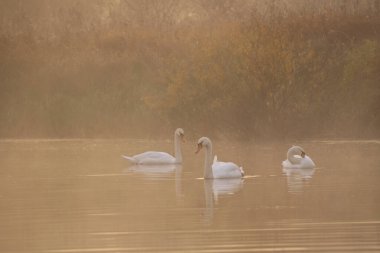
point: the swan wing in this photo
(304, 163)
(154, 157)
(129, 158)
(307, 163)
(226, 170)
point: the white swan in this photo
(297, 159)
(154, 157)
(214, 168)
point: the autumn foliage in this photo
(250, 69)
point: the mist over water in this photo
(81, 196)
(84, 82)
(234, 69)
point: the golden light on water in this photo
(84, 84)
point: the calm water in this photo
(81, 196)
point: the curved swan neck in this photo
(208, 162)
(290, 155)
(177, 149)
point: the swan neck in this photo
(290, 155)
(208, 162)
(177, 149)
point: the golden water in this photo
(63, 196)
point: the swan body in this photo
(214, 168)
(226, 169)
(297, 159)
(155, 157)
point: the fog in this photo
(236, 69)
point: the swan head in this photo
(297, 150)
(180, 133)
(203, 142)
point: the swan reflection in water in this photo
(296, 178)
(159, 172)
(214, 189)
(155, 171)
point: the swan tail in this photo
(131, 159)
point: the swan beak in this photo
(199, 148)
(303, 154)
(183, 138)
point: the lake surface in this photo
(68, 196)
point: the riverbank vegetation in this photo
(246, 69)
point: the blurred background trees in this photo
(250, 69)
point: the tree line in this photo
(245, 69)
